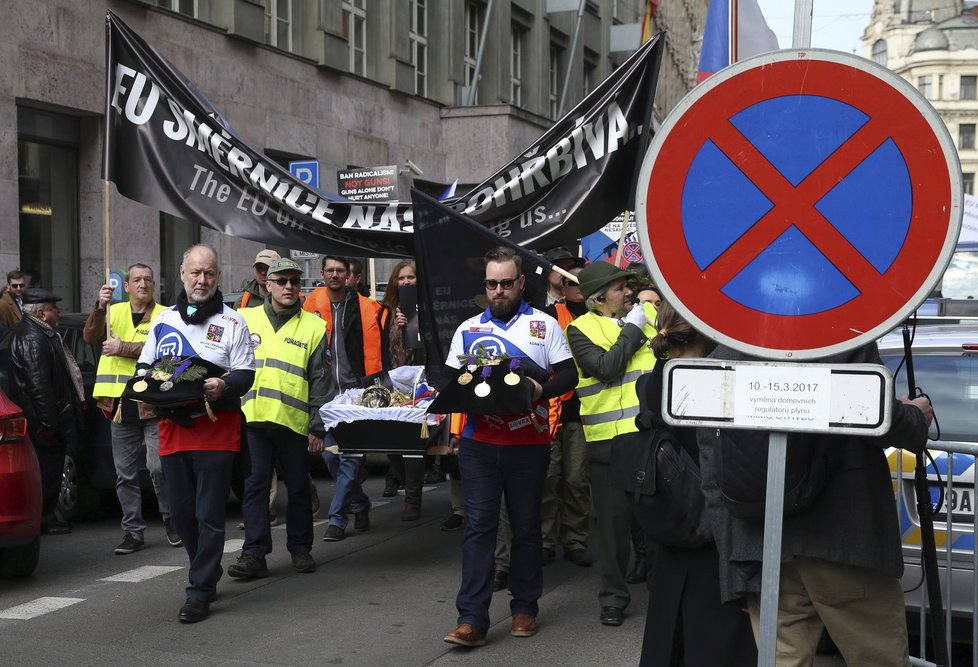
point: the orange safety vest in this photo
(564, 317)
(370, 314)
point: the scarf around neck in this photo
(200, 312)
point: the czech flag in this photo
(722, 46)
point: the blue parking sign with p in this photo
(306, 171)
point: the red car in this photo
(20, 494)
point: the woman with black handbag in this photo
(686, 623)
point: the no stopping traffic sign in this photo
(799, 204)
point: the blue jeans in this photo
(199, 483)
(290, 450)
(491, 471)
(348, 495)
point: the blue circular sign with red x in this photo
(799, 204)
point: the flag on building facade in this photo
(721, 46)
(650, 7)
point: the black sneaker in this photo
(248, 567)
(171, 534)
(361, 520)
(303, 563)
(454, 522)
(334, 533)
(131, 542)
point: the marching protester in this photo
(409, 471)
(610, 346)
(198, 444)
(565, 259)
(358, 347)
(282, 412)
(841, 558)
(684, 583)
(254, 292)
(566, 492)
(506, 455)
(46, 383)
(134, 426)
(566, 504)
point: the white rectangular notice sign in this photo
(778, 397)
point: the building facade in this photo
(933, 44)
(456, 87)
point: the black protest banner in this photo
(581, 173)
(168, 147)
(451, 273)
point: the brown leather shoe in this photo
(466, 635)
(524, 625)
(411, 513)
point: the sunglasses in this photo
(505, 284)
(281, 282)
(16, 285)
(567, 282)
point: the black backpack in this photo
(741, 470)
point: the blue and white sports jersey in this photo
(223, 339)
(531, 336)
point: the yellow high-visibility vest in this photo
(280, 393)
(609, 409)
(113, 372)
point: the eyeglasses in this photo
(334, 270)
(567, 282)
(281, 282)
(16, 285)
(505, 284)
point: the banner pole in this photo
(621, 239)
(564, 273)
(106, 239)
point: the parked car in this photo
(945, 361)
(956, 295)
(20, 494)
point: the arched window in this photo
(879, 52)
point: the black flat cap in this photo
(40, 295)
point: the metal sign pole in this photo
(777, 453)
(771, 557)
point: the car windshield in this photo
(951, 381)
(961, 277)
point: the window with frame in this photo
(968, 183)
(925, 84)
(966, 136)
(355, 32)
(879, 52)
(473, 35)
(418, 34)
(517, 37)
(968, 87)
(278, 23)
(185, 7)
(553, 86)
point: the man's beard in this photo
(193, 298)
(503, 309)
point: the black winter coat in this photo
(41, 384)
(854, 520)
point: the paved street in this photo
(384, 597)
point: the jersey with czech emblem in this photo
(531, 336)
(223, 339)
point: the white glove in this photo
(636, 316)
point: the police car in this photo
(945, 361)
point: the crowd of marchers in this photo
(190, 387)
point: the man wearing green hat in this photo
(610, 347)
(282, 413)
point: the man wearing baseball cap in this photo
(282, 413)
(610, 347)
(254, 290)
